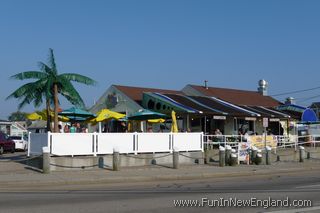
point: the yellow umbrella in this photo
(160, 120)
(34, 116)
(42, 115)
(106, 114)
(174, 125)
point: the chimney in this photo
(206, 84)
(263, 87)
(290, 100)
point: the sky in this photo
(164, 44)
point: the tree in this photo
(18, 116)
(49, 83)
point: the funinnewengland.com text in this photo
(241, 203)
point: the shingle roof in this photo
(239, 97)
(135, 93)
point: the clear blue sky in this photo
(164, 44)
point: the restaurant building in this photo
(202, 108)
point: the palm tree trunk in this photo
(56, 105)
(48, 115)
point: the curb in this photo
(63, 181)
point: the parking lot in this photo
(14, 163)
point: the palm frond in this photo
(45, 68)
(78, 78)
(70, 93)
(52, 61)
(21, 91)
(29, 75)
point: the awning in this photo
(181, 104)
(267, 112)
(194, 104)
(291, 107)
(238, 108)
(293, 110)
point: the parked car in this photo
(6, 144)
(21, 142)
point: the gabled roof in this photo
(135, 93)
(239, 97)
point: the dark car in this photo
(6, 144)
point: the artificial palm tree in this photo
(48, 85)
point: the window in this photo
(158, 106)
(150, 104)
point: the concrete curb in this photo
(62, 179)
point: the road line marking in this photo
(296, 210)
(308, 186)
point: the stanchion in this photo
(101, 163)
(268, 155)
(228, 155)
(175, 159)
(45, 160)
(253, 154)
(258, 158)
(116, 160)
(222, 156)
(233, 158)
(301, 154)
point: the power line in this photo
(297, 91)
(309, 98)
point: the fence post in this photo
(116, 159)
(222, 156)
(29, 143)
(175, 159)
(45, 160)
(228, 155)
(268, 155)
(301, 154)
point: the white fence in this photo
(274, 141)
(39, 140)
(63, 144)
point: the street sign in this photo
(265, 122)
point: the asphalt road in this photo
(160, 196)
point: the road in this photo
(160, 196)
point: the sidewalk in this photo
(15, 175)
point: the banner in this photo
(258, 141)
(243, 154)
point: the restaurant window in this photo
(158, 106)
(150, 104)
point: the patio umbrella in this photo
(76, 114)
(105, 115)
(174, 125)
(155, 121)
(42, 115)
(34, 116)
(145, 114)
